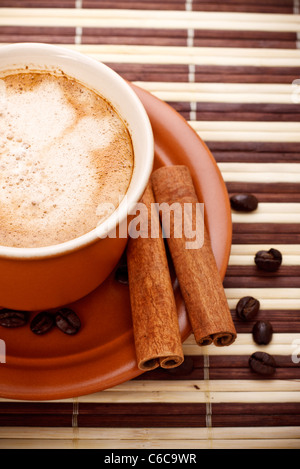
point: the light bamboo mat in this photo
(228, 68)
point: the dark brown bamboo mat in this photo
(150, 36)
(231, 79)
(248, 6)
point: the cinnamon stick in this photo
(196, 269)
(154, 312)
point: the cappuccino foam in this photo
(66, 158)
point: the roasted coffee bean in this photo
(247, 308)
(13, 319)
(42, 323)
(262, 363)
(121, 274)
(244, 202)
(262, 332)
(67, 321)
(270, 261)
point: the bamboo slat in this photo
(145, 19)
(226, 98)
(232, 136)
(193, 396)
(189, 55)
(268, 304)
(281, 280)
(259, 168)
(183, 397)
(278, 207)
(150, 433)
(220, 88)
(244, 238)
(248, 131)
(263, 293)
(203, 73)
(223, 126)
(260, 178)
(153, 444)
(267, 218)
(138, 14)
(150, 388)
(212, 386)
(92, 49)
(150, 36)
(286, 249)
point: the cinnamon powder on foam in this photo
(64, 154)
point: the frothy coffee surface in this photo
(65, 157)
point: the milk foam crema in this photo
(66, 158)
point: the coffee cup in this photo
(50, 276)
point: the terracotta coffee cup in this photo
(33, 279)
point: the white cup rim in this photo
(121, 212)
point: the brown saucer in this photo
(102, 355)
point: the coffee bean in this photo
(262, 332)
(42, 323)
(13, 319)
(247, 308)
(270, 261)
(244, 202)
(67, 321)
(262, 363)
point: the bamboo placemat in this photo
(227, 67)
